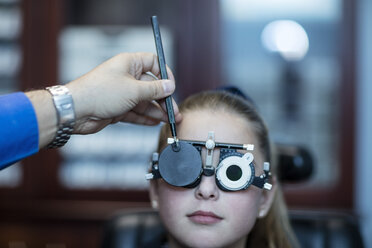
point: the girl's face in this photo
(205, 216)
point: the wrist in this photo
(80, 101)
(46, 115)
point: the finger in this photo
(170, 74)
(135, 118)
(154, 90)
(150, 109)
(149, 62)
(177, 114)
(148, 76)
(144, 62)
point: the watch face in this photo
(64, 105)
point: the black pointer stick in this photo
(164, 75)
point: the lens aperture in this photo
(234, 172)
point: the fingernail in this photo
(168, 86)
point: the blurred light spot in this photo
(265, 10)
(286, 37)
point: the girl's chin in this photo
(203, 239)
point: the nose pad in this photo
(208, 171)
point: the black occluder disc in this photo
(180, 168)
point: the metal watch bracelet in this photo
(64, 105)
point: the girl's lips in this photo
(204, 217)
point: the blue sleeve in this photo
(19, 134)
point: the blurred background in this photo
(305, 64)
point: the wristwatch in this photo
(64, 105)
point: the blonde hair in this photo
(273, 230)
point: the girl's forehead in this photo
(227, 127)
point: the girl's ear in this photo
(267, 199)
(153, 190)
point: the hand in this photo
(120, 90)
(117, 90)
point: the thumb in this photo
(153, 90)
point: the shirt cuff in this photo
(19, 132)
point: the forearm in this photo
(46, 115)
(19, 136)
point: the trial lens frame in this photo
(189, 174)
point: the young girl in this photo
(207, 212)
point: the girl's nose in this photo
(207, 189)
